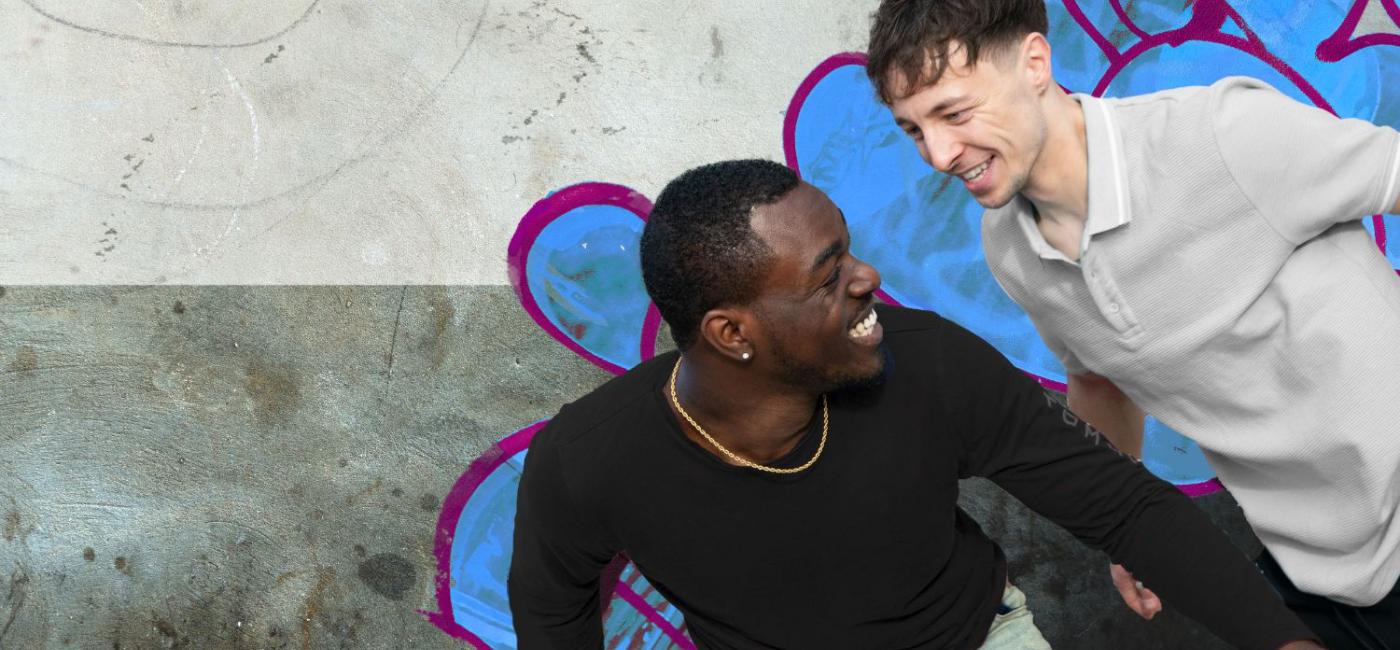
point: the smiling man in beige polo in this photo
(1196, 254)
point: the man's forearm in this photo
(1173, 548)
(1099, 402)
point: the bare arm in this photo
(1098, 401)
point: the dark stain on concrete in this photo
(583, 52)
(179, 307)
(275, 393)
(443, 311)
(2, 292)
(371, 489)
(11, 525)
(388, 575)
(360, 550)
(716, 44)
(26, 359)
(121, 564)
(428, 502)
(168, 631)
(347, 630)
(89, 554)
(396, 492)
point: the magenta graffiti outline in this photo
(1344, 42)
(547, 211)
(452, 508)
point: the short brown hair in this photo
(908, 35)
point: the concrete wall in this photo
(263, 466)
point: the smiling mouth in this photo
(864, 327)
(971, 175)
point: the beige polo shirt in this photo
(1228, 287)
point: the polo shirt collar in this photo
(1108, 182)
(1108, 175)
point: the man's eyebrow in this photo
(947, 104)
(832, 250)
(938, 109)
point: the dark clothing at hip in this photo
(1341, 626)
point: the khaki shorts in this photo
(1014, 630)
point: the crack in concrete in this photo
(393, 341)
(18, 579)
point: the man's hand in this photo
(1139, 598)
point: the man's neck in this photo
(1058, 185)
(759, 421)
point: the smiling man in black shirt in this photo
(789, 479)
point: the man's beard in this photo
(823, 380)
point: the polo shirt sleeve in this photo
(1303, 168)
(558, 553)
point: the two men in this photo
(1195, 254)
(789, 477)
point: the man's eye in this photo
(956, 116)
(913, 132)
(831, 281)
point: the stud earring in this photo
(746, 356)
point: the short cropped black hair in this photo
(909, 35)
(698, 248)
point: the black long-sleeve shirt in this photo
(867, 548)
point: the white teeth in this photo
(976, 172)
(864, 327)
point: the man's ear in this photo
(727, 330)
(1034, 61)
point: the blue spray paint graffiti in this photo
(573, 260)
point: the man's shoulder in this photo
(920, 333)
(897, 319)
(611, 407)
(1167, 96)
(1225, 99)
(906, 323)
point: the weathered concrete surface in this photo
(228, 467)
(359, 142)
(231, 468)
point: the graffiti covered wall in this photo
(574, 265)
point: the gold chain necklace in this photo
(675, 401)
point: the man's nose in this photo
(943, 153)
(866, 280)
